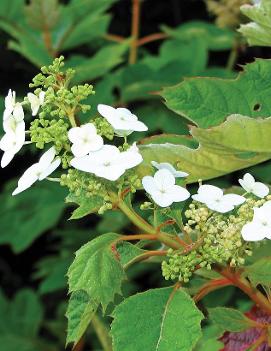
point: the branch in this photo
(152, 37)
(134, 30)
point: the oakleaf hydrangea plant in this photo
(210, 231)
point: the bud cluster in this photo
(217, 239)
(227, 12)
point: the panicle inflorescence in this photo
(103, 128)
(217, 239)
(86, 185)
(227, 12)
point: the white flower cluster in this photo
(14, 139)
(163, 191)
(106, 161)
(90, 153)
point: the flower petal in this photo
(261, 190)
(253, 232)
(18, 112)
(164, 179)
(207, 193)
(52, 167)
(163, 200)
(178, 193)
(105, 110)
(74, 134)
(149, 184)
(7, 158)
(234, 199)
(27, 179)
(47, 158)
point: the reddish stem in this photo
(247, 288)
(211, 286)
(134, 30)
(152, 37)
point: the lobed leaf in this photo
(259, 272)
(230, 319)
(207, 102)
(97, 270)
(80, 312)
(86, 205)
(157, 320)
(257, 32)
(235, 144)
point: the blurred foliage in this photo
(40, 30)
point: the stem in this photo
(114, 37)
(152, 37)
(80, 345)
(102, 333)
(246, 287)
(145, 256)
(71, 117)
(232, 57)
(211, 286)
(134, 30)
(135, 218)
(146, 227)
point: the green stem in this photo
(102, 333)
(146, 227)
(232, 57)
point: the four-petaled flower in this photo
(38, 171)
(122, 120)
(13, 108)
(36, 101)
(85, 140)
(163, 190)
(108, 162)
(260, 227)
(251, 186)
(169, 167)
(215, 200)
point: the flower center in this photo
(107, 163)
(264, 223)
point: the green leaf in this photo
(230, 319)
(81, 22)
(157, 320)
(209, 340)
(42, 15)
(257, 32)
(80, 312)
(97, 270)
(214, 37)
(88, 69)
(128, 252)
(235, 144)
(21, 322)
(259, 272)
(86, 205)
(28, 215)
(207, 102)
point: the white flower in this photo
(251, 186)
(85, 140)
(163, 189)
(12, 141)
(260, 227)
(36, 101)
(13, 108)
(169, 167)
(122, 120)
(214, 199)
(38, 171)
(108, 162)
